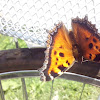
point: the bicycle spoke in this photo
(82, 91)
(51, 89)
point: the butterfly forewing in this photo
(87, 38)
(59, 56)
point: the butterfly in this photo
(65, 47)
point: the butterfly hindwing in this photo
(58, 56)
(87, 38)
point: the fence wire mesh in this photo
(28, 19)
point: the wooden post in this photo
(32, 59)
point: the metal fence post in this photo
(1, 92)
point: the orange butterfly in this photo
(64, 48)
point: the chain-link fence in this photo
(28, 19)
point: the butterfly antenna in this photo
(51, 89)
(82, 91)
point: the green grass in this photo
(7, 42)
(37, 90)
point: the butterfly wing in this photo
(58, 55)
(87, 38)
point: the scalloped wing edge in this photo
(88, 24)
(47, 51)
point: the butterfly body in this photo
(65, 47)
(77, 52)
